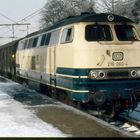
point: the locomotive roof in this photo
(85, 17)
(10, 44)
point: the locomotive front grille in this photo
(116, 74)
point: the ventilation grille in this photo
(118, 74)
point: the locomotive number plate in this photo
(117, 56)
(117, 64)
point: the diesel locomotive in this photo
(90, 59)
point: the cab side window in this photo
(30, 43)
(35, 41)
(45, 39)
(54, 38)
(67, 35)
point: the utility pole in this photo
(13, 27)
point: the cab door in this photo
(54, 39)
(52, 60)
(52, 70)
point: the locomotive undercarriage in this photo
(114, 103)
(108, 106)
(106, 100)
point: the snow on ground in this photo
(17, 121)
(136, 113)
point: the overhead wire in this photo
(7, 17)
(29, 17)
(22, 20)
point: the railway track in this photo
(128, 122)
(125, 123)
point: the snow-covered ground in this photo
(136, 113)
(17, 121)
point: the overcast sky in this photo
(12, 11)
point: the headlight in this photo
(93, 74)
(133, 73)
(138, 73)
(101, 74)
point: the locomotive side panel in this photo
(37, 62)
(32, 63)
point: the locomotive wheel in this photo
(99, 98)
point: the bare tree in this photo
(55, 10)
(136, 11)
(106, 6)
(119, 7)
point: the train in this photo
(89, 59)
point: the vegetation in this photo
(136, 11)
(55, 10)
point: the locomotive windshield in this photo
(98, 33)
(126, 33)
(104, 33)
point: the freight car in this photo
(90, 59)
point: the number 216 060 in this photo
(117, 64)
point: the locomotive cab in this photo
(104, 64)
